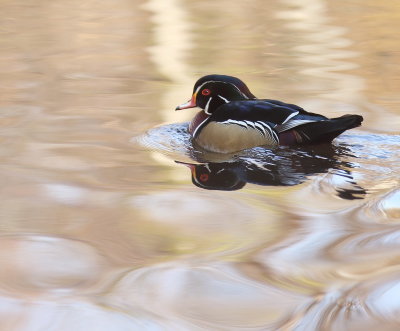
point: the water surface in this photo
(112, 220)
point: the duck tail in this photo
(327, 130)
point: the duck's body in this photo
(233, 119)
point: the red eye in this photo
(203, 177)
(206, 91)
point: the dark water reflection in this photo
(279, 167)
(100, 228)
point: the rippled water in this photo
(112, 220)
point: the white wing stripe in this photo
(289, 117)
(292, 124)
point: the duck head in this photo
(212, 91)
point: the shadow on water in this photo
(278, 167)
(282, 166)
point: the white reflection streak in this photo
(66, 194)
(325, 52)
(172, 41)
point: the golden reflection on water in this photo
(172, 45)
(98, 232)
(326, 52)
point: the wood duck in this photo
(233, 119)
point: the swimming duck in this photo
(233, 119)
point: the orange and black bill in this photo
(190, 104)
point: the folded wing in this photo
(268, 117)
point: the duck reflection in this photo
(280, 167)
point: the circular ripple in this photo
(211, 296)
(42, 263)
(381, 209)
(169, 139)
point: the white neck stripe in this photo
(207, 105)
(226, 100)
